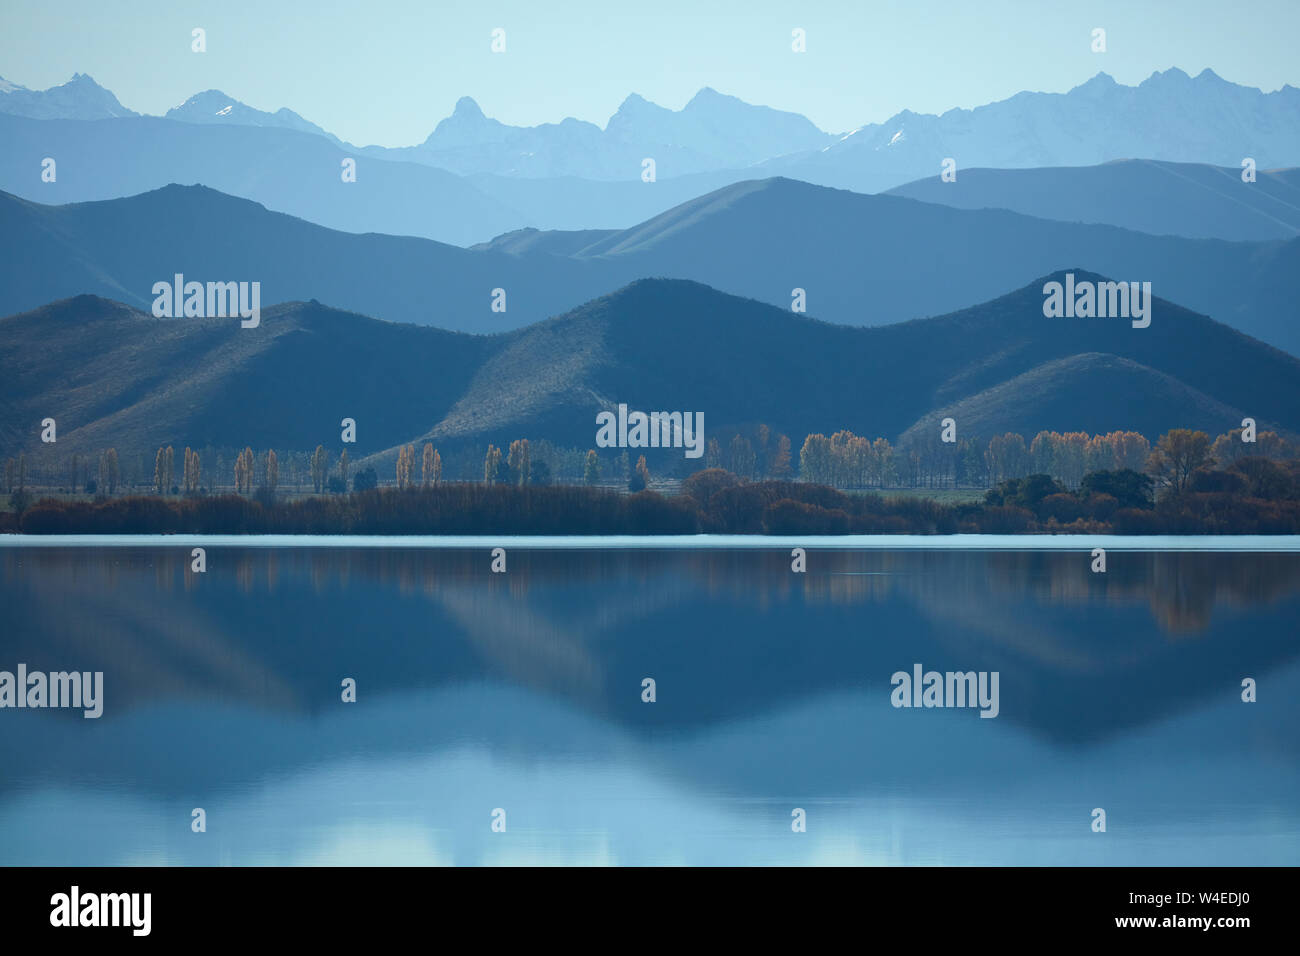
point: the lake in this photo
(516, 699)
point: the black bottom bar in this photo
(335, 905)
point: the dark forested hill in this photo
(113, 376)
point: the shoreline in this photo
(1041, 541)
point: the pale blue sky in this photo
(385, 71)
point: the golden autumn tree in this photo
(1179, 454)
(517, 461)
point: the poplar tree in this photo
(108, 471)
(713, 454)
(814, 459)
(517, 461)
(491, 462)
(742, 456)
(318, 469)
(780, 466)
(405, 466)
(189, 478)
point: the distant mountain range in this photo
(216, 108)
(290, 171)
(81, 98)
(119, 248)
(489, 178)
(111, 375)
(301, 174)
(1161, 198)
(862, 260)
(1096, 181)
(869, 260)
(710, 133)
(1169, 116)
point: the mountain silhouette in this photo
(120, 248)
(288, 170)
(81, 98)
(1161, 198)
(216, 107)
(869, 260)
(489, 178)
(111, 375)
(1170, 116)
(861, 260)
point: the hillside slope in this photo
(872, 260)
(113, 376)
(1161, 198)
(862, 260)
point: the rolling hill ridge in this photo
(862, 260)
(114, 376)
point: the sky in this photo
(385, 71)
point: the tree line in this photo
(1250, 494)
(847, 461)
(842, 460)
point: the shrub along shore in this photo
(1253, 496)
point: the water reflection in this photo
(523, 690)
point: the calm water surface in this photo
(522, 691)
